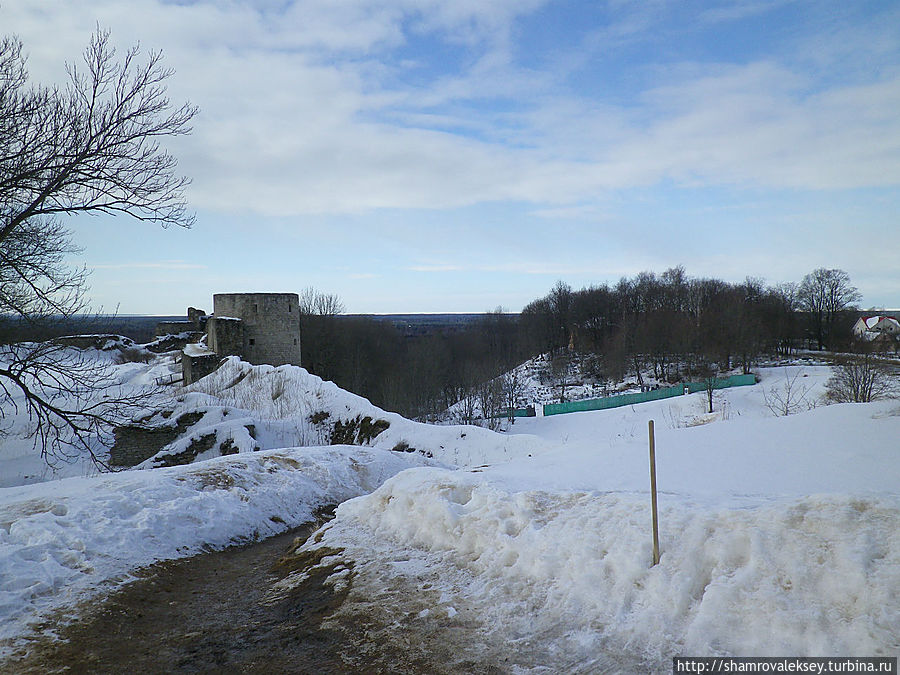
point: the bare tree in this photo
(709, 376)
(782, 306)
(466, 409)
(73, 402)
(319, 332)
(91, 147)
(560, 301)
(512, 384)
(490, 402)
(824, 294)
(861, 379)
(790, 397)
(559, 368)
(317, 303)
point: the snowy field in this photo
(779, 535)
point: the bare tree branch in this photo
(91, 147)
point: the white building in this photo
(872, 327)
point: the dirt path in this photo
(206, 614)
(215, 613)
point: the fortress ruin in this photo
(261, 328)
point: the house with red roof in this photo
(879, 328)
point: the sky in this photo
(434, 156)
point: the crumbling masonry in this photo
(261, 328)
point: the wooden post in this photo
(653, 496)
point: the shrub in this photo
(860, 380)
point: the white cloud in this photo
(304, 110)
(759, 125)
(734, 11)
(583, 212)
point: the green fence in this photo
(518, 412)
(644, 397)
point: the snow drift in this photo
(778, 536)
(65, 540)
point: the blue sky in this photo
(433, 156)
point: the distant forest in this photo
(671, 325)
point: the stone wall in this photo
(174, 327)
(196, 321)
(225, 336)
(169, 343)
(194, 367)
(271, 325)
(197, 317)
(134, 444)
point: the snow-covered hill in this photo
(67, 540)
(287, 406)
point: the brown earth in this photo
(206, 614)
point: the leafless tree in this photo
(490, 402)
(90, 147)
(559, 368)
(73, 403)
(466, 408)
(511, 383)
(781, 317)
(861, 379)
(319, 332)
(317, 303)
(709, 376)
(824, 294)
(790, 397)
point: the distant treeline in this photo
(679, 327)
(671, 325)
(407, 368)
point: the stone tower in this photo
(268, 330)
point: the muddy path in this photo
(205, 614)
(219, 613)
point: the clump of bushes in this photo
(358, 431)
(319, 417)
(861, 379)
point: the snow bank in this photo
(840, 449)
(59, 541)
(778, 536)
(815, 576)
(20, 460)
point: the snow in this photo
(69, 539)
(20, 460)
(779, 535)
(812, 576)
(287, 397)
(196, 349)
